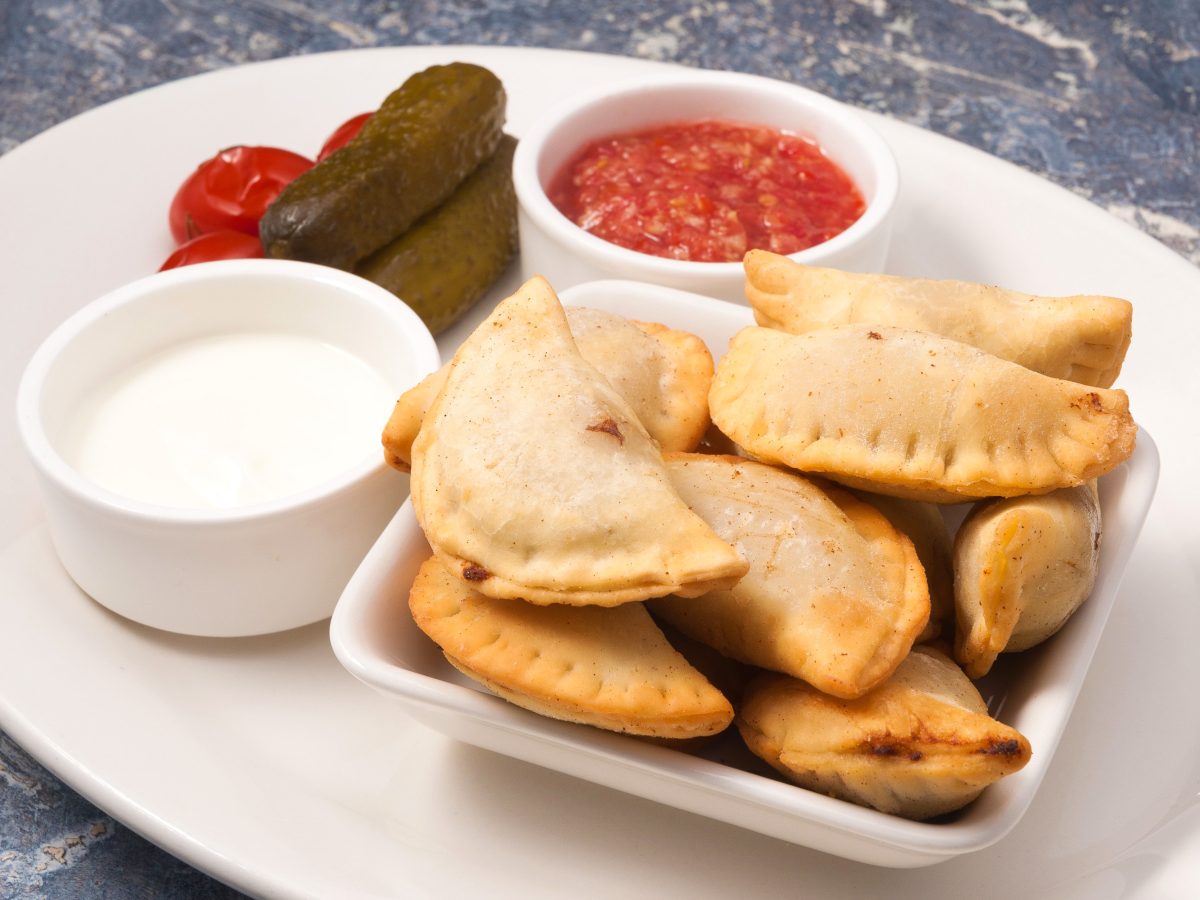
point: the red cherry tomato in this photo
(232, 190)
(213, 246)
(345, 133)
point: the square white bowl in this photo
(374, 637)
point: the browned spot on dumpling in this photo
(889, 747)
(1092, 399)
(1002, 748)
(473, 572)
(608, 426)
(874, 336)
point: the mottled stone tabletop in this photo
(1102, 98)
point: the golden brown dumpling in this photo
(920, 745)
(925, 526)
(1021, 569)
(532, 478)
(835, 595)
(611, 668)
(407, 415)
(664, 375)
(914, 415)
(1082, 338)
(727, 675)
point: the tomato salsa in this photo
(707, 191)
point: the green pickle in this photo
(443, 264)
(412, 154)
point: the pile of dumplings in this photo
(625, 537)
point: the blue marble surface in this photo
(1102, 98)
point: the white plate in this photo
(263, 762)
(374, 636)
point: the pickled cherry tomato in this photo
(231, 191)
(213, 246)
(345, 133)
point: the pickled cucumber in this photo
(450, 257)
(425, 139)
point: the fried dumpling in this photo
(1080, 338)
(925, 526)
(664, 375)
(920, 745)
(611, 668)
(914, 415)
(727, 675)
(835, 595)
(407, 415)
(1022, 567)
(532, 478)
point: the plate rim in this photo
(92, 785)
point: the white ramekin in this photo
(553, 246)
(243, 571)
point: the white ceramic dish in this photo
(553, 246)
(374, 637)
(239, 570)
(263, 762)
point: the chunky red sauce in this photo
(707, 191)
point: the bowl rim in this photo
(46, 458)
(532, 198)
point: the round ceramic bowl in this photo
(243, 569)
(553, 246)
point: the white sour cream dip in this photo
(230, 420)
